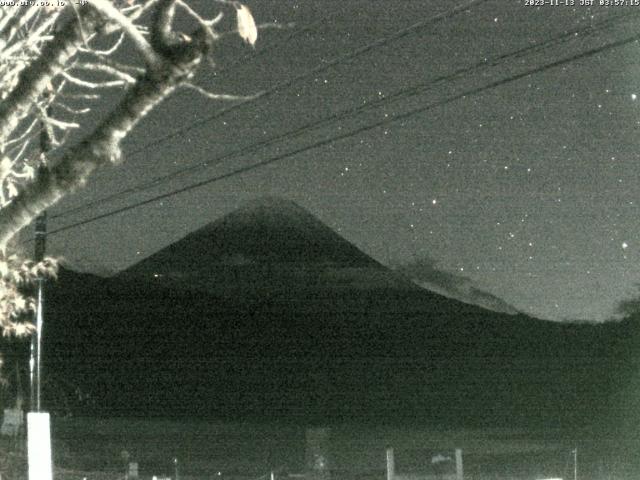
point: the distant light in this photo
(434, 201)
(634, 96)
(625, 245)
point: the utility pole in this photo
(36, 339)
(575, 463)
(35, 360)
(38, 422)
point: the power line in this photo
(386, 121)
(353, 54)
(350, 112)
(325, 66)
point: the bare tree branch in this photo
(105, 7)
(92, 85)
(100, 147)
(36, 77)
(219, 96)
(107, 69)
(104, 53)
(15, 23)
(48, 76)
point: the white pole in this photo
(391, 466)
(459, 467)
(575, 463)
(39, 446)
(38, 351)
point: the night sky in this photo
(527, 187)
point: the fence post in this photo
(318, 453)
(132, 471)
(459, 467)
(391, 464)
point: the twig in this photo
(220, 96)
(92, 85)
(105, 7)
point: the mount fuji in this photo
(268, 246)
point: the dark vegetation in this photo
(375, 355)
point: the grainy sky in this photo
(525, 184)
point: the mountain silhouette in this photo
(268, 245)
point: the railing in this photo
(393, 475)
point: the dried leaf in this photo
(246, 25)
(20, 303)
(22, 329)
(28, 172)
(12, 191)
(5, 166)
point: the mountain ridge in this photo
(265, 240)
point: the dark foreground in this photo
(85, 448)
(100, 448)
